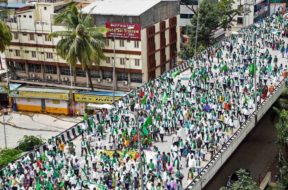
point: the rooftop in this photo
(120, 7)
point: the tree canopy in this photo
(213, 15)
(82, 42)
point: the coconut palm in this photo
(5, 36)
(82, 42)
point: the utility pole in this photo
(139, 149)
(197, 25)
(5, 112)
(114, 79)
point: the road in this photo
(19, 124)
(255, 153)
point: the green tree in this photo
(213, 15)
(28, 143)
(82, 42)
(244, 182)
(5, 36)
(8, 155)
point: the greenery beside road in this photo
(27, 143)
(213, 15)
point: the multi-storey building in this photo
(143, 40)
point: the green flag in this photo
(224, 68)
(144, 100)
(252, 69)
(164, 98)
(175, 74)
(85, 117)
(38, 185)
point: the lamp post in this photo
(5, 112)
(114, 79)
(197, 25)
(136, 115)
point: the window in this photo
(135, 77)
(33, 54)
(24, 16)
(47, 38)
(49, 55)
(107, 42)
(95, 74)
(39, 35)
(136, 44)
(26, 51)
(80, 73)
(34, 68)
(17, 52)
(121, 43)
(107, 74)
(122, 61)
(15, 35)
(31, 37)
(137, 62)
(65, 71)
(122, 76)
(19, 66)
(24, 34)
(239, 20)
(108, 60)
(51, 69)
(30, 16)
(45, 8)
(19, 16)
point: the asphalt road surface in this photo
(255, 153)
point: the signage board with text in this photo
(127, 31)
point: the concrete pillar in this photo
(58, 73)
(27, 70)
(101, 74)
(129, 78)
(43, 72)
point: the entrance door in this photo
(43, 105)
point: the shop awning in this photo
(12, 87)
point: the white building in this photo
(32, 57)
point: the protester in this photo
(227, 83)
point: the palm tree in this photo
(5, 37)
(82, 42)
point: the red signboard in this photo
(123, 30)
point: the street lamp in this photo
(136, 115)
(197, 25)
(5, 112)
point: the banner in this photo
(41, 95)
(95, 98)
(123, 30)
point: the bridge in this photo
(210, 167)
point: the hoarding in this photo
(94, 98)
(127, 31)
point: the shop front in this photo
(84, 100)
(55, 101)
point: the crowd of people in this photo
(226, 84)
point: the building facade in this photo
(32, 57)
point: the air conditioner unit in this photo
(33, 75)
(125, 83)
(65, 79)
(49, 77)
(99, 80)
(109, 80)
